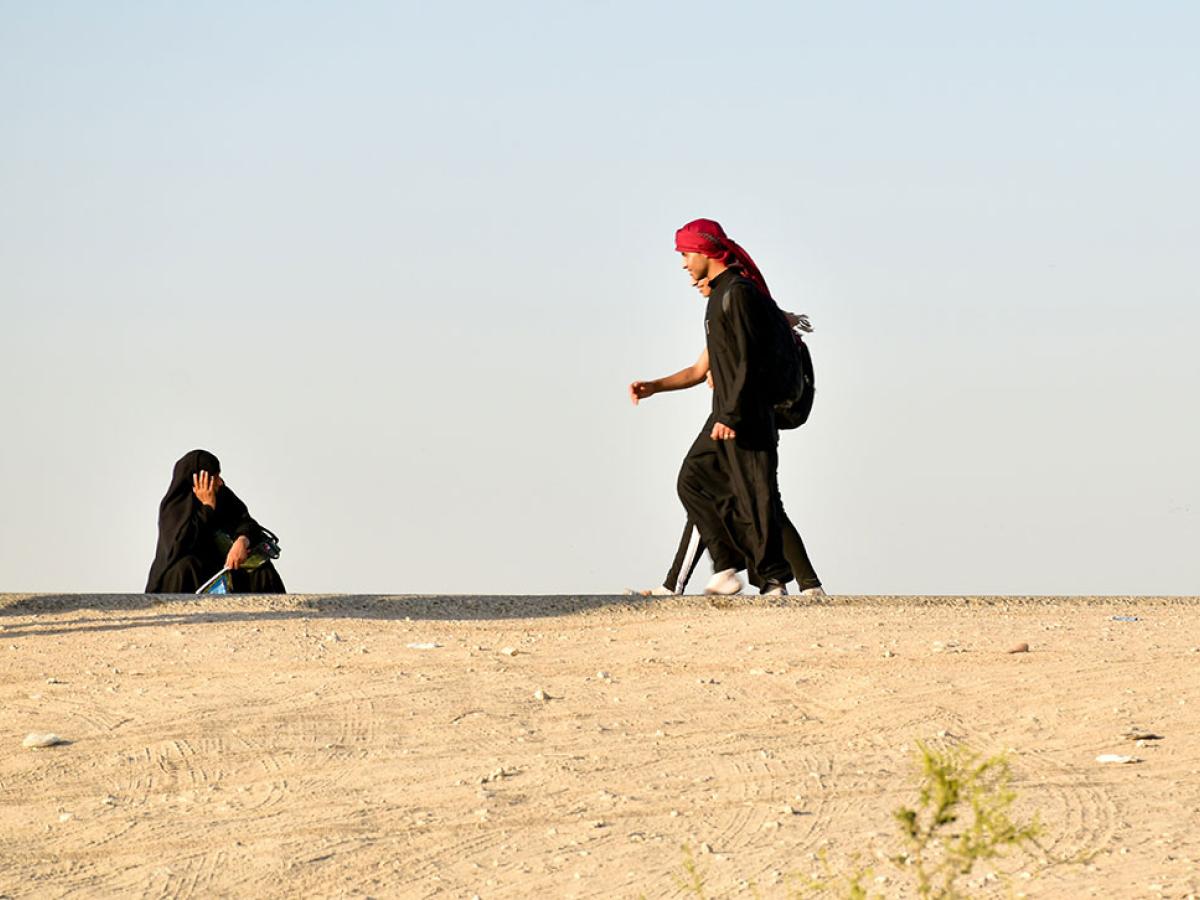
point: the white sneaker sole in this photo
(724, 584)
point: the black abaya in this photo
(188, 553)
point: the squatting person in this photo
(203, 527)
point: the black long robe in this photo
(730, 488)
(188, 554)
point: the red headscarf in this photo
(708, 237)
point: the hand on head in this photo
(205, 487)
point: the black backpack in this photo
(789, 371)
(798, 383)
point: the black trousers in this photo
(691, 548)
(184, 576)
(730, 490)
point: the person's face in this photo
(696, 265)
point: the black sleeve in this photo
(745, 329)
(198, 530)
(235, 518)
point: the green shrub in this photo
(962, 816)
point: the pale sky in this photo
(396, 263)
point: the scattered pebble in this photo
(331, 638)
(34, 740)
(540, 694)
(497, 774)
(509, 651)
(1019, 648)
(423, 645)
(604, 676)
(1140, 734)
(66, 817)
(1116, 758)
(705, 848)
(888, 654)
(945, 647)
(54, 681)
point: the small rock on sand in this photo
(509, 651)
(34, 740)
(946, 647)
(423, 645)
(1116, 758)
(498, 773)
(1019, 648)
(1140, 734)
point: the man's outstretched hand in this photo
(640, 390)
(722, 432)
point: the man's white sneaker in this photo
(817, 591)
(777, 590)
(725, 582)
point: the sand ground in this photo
(318, 746)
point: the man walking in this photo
(728, 482)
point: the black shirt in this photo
(738, 325)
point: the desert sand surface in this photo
(521, 747)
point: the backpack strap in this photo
(725, 292)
